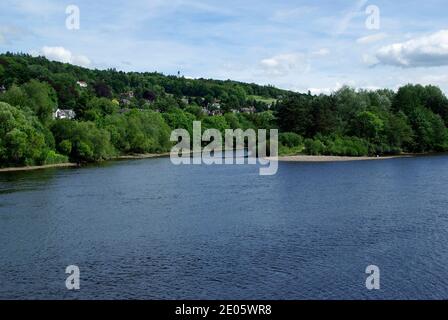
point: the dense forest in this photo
(123, 113)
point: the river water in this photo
(147, 229)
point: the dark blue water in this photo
(150, 230)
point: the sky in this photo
(316, 46)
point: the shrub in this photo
(55, 158)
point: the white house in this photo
(64, 114)
(82, 84)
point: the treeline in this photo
(149, 90)
(121, 113)
(116, 113)
(358, 123)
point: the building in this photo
(2, 89)
(185, 100)
(82, 84)
(248, 110)
(129, 94)
(125, 101)
(64, 114)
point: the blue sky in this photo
(297, 45)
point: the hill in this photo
(116, 113)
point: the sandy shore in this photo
(298, 158)
(59, 165)
(143, 156)
(305, 158)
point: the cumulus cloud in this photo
(64, 55)
(318, 91)
(428, 51)
(284, 64)
(372, 38)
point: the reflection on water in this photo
(147, 229)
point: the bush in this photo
(314, 147)
(55, 158)
(290, 139)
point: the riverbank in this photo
(68, 165)
(296, 158)
(306, 158)
(142, 156)
(30, 168)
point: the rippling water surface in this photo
(149, 230)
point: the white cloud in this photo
(63, 55)
(372, 38)
(427, 51)
(349, 16)
(318, 91)
(369, 60)
(284, 64)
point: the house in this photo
(248, 110)
(82, 84)
(185, 100)
(64, 114)
(125, 101)
(2, 89)
(215, 105)
(129, 94)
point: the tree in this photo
(101, 107)
(323, 116)
(398, 131)
(367, 125)
(42, 99)
(293, 115)
(430, 131)
(102, 90)
(21, 139)
(64, 85)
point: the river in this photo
(146, 229)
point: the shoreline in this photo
(32, 168)
(296, 158)
(308, 158)
(142, 156)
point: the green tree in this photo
(21, 139)
(367, 125)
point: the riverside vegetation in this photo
(120, 113)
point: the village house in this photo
(82, 84)
(64, 114)
(248, 110)
(129, 94)
(185, 100)
(216, 104)
(125, 101)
